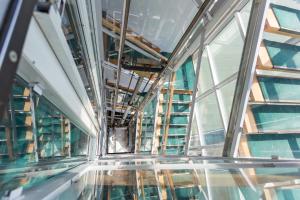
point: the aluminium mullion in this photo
(125, 14)
(195, 89)
(246, 74)
(242, 28)
(218, 96)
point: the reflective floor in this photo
(158, 178)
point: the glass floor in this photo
(151, 177)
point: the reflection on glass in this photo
(210, 122)
(226, 51)
(227, 93)
(205, 78)
(245, 13)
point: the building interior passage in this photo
(150, 99)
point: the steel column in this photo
(125, 15)
(245, 78)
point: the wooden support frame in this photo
(171, 183)
(256, 94)
(177, 91)
(145, 46)
(168, 113)
(264, 60)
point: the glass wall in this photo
(31, 119)
(271, 124)
(220, 62)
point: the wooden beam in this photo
(152, 50)
(171, 184)
(177, 91)
(121, 87)
(162, 183)
(157, 125)
(264, 60)
(256, 93)
(139, 131)
(168, 113)
(250, 123)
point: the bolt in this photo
(13, 56)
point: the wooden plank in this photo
(110, 25)
(121, 87)
(256, 93)
(168, 113)
(28, 120)
(26, 92)
(30, 148)
(250, 123)
(171, 184)
(27, 106)
(162, 183)
(139, 130)
(270, 194)
(142, 185)
(264, 60)
(29, 135)
(271, 22)
(178, 91)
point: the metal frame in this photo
(125, 15)
(134, 94)
(188, 136)
(245, 78)
(13, 36)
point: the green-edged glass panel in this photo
(267, 145)
(185, 76)
(277, 117)
(209, 116)
(280, 89)
(283, 55)
(288, 18)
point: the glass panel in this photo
(245, 13)
(226, 51)
(267, 145)
(227, 93)
(148, 124)
(288, 18)
(277, 117)
(283, 55)
(185, 76)
(205, 77)
(160, 22)
(279, 89)
(207, 110)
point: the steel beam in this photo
(245, 77)
(143, 68)
(125, 15)
(135, 92)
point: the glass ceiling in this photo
(160, 22)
